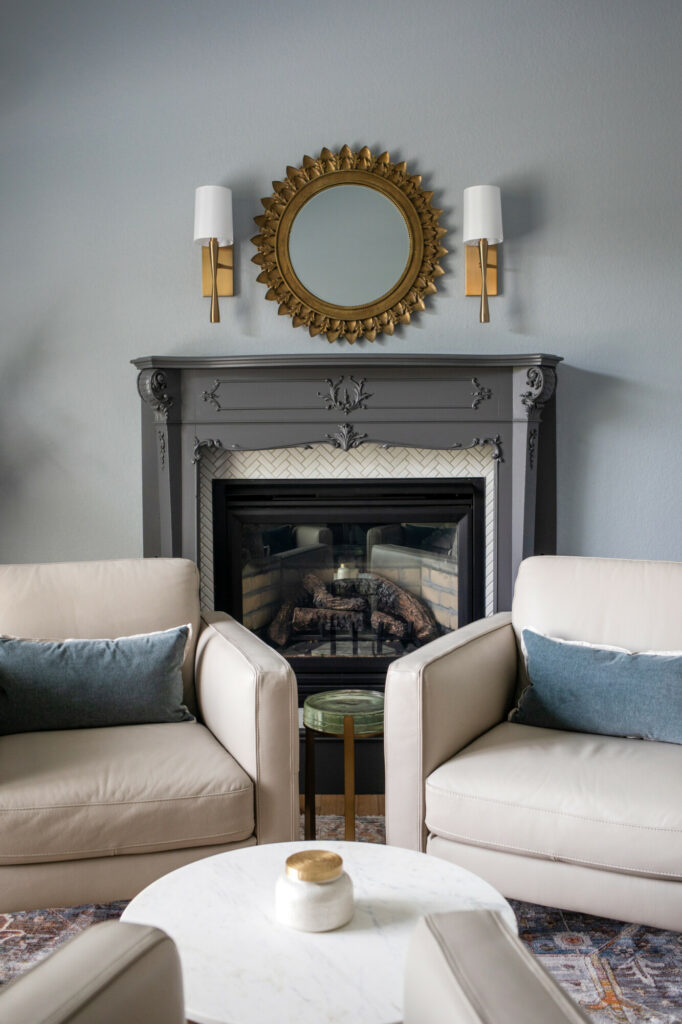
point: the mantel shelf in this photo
(355, 361)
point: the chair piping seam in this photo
(127, 803)
(545, 810)
(544, 855)
(115, 851)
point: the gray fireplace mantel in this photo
(192, 404)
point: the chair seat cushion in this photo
(122, 790)
(603, 801)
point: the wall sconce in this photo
(213, 230)
(482, 224)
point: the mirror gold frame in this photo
(349, 168)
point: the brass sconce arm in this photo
(483, 259)
(213, 248)
(213, 253)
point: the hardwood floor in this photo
(332, 803)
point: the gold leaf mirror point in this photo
(348, 244)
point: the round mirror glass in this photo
(349, 245)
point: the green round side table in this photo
(347, 713)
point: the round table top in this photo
(326, 711)
(240, 965)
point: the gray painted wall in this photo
(111, 114)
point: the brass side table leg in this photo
(309, 802)
(349, 775)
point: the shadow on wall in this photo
(245, 206)
(523, 213)
(592, 408)
(22, 445)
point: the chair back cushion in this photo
(620, 602)
(107, 599)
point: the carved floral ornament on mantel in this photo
(295, 252)
(345, 438)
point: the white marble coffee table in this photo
(240, 967)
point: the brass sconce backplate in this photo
(472, 270)
(225, 278)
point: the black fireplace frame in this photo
(456, 500)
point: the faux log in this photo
(279, 630)
(344, 604)
(366, 585)
(315, 586)
(323, 599)
(389, 625)
(399, 603)
(346, 588)
(310, 620)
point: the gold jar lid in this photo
(314, 865)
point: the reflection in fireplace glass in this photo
(349, 589)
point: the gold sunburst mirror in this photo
(349, 245)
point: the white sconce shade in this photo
(482, 214)
(213, 215)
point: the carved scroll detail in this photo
(532, 446)
(208, 443)
(345, 438)
(161, 435)
(476, 442)
(210, 396)
(481, 394)
(541, 381)
(353, 396)
(152, 386)
(495, 442)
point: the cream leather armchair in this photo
(573, 820)
(94, 815)
(109, 974)
(467, 967)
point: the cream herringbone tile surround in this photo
(368, 461)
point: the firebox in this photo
(342, 577)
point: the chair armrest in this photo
(247, 697)
(467, 967)
(439, 699)
(109, 973)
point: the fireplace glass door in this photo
(347, 576)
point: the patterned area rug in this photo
(618, 973)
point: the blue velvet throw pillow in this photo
(85, 684)
(589, 689)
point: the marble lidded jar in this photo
(314, 894)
